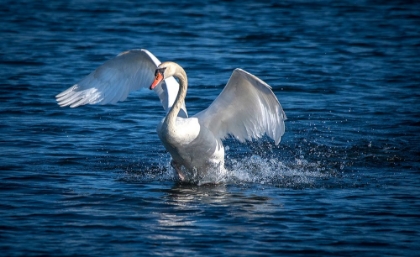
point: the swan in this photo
(246, 109)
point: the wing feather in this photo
(116, 78)
(246, 109)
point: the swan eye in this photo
(160, 70)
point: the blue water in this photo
(96, 180)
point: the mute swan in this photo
(246, 109)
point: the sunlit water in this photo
(96, 180)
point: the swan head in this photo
(164, 71)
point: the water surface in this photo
(96, 180)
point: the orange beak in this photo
(158, 79)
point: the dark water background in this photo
(96, 180)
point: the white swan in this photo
(246, 109)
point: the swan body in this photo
(246, 109)
(197, 156)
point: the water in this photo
(96, 180)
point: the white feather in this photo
(246, 109)
(116, 78)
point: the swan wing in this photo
(116, 78)
(246, 109)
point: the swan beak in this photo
(158, 79)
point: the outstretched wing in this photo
(245, 109)
(116, 78)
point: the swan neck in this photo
(180, 98)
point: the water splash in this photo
(296, 174)
(299, 173)
(143, 173)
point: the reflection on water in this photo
(187, 206)
(183, 194)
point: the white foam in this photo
(255, 169)
(273, 171)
